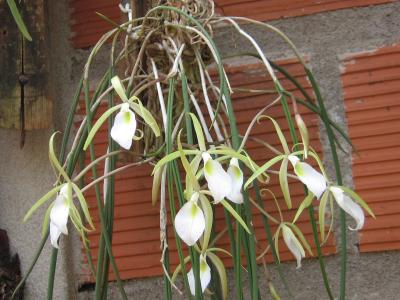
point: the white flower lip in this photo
(59, 216)
(124, 127)
(293, 244)
(205, 276)
(190, 223)
(219, 181)
(314, 180)
(236, 175)
(349, 206)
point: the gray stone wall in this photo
(26, 174)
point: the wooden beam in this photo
(24, 61)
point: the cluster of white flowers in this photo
(317, 184)
(190, 221)
(122, 132)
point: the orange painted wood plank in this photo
(270, 10)
(371, 89)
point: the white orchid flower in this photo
(314, 180)
(124, 127)
(205, 276)
(190, 221)
(236, 175)
(349, 206)
(59, 216)
(219, 181)
(293, 244)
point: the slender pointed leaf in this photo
(283, 181)
(18, 19)
(358, 199)
(321, 214)
(199, 132)
(98, 124)
(119, 88)
(41, 201)
(208, 214)
(235, 215)
(304, 204)
(262, 169)
(146, 116)
(83, 204)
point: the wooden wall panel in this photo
(265, 10)
(136, 242)
(86, 26)
(31, 108)
(371, 84)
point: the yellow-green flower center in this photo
(299, 170)
(203, 266)
(193, 210)
(236, 171)
(127, 117)
(209, 167)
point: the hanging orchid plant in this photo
(164, 104)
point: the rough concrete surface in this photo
(26, 174)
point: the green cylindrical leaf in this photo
(221, 272)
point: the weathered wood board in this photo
(37, 105)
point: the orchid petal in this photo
(54, 235)
(60, 211)
(124, 127)
(205, 276)
(219, 182)
(293, 244)
(59, 216)
(314, 180)
(349, 206)
(236, 175)
(190, 223)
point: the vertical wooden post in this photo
(31, 57)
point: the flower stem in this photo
(52, 273)
(325, 119)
